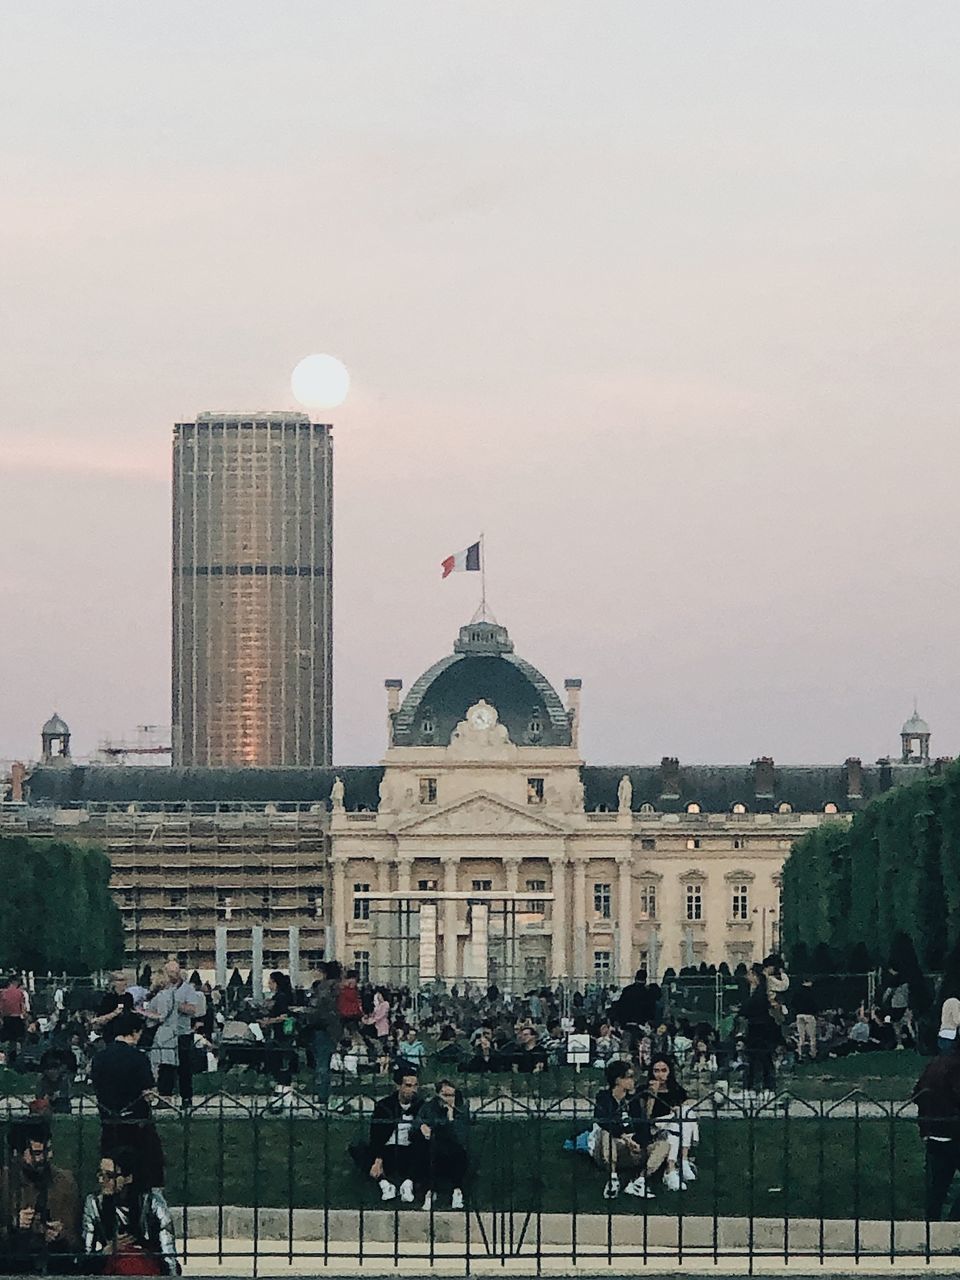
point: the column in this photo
(221, 956)
(582, 970)
(558, 922)
(293, 954)
(450, 867)
(625, 917)
(404, 873)
(511, 867)
(256, 962)
(337, 916)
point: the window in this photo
(694, 902)
(534, 791)
(830, 808)
(648, 900)
(536, 905)
(739, 842)
(647, 808)
(740, 901)
(535, 727)
(739, 808)
(602, 901)
(176, 897)
(315, 902)
(427, 886)
(482, 886)
(361, 962)
(648, 843)
(693, 807)
(428, 791)
(426, 724)
(785, 808)
(361, 906)
(225, 907)
(693, 842)
(601, 965)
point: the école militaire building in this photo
(480, 847)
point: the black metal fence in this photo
(252, 1180)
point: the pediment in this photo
(482, 814)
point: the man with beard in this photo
(39, 1204)
(129, 1231)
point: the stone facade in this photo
(481, 847)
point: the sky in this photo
(662, 298)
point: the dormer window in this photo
(535, 727)
(426, 724)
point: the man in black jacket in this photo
(396, 1144)
(937, 1095)
(637, 1004)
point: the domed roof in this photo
(482, 665)
(55, 727)
(915, 725)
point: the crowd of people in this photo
(143, 1043)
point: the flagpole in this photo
(483, 578)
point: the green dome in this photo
(482, 665)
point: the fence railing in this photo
(251, 1180)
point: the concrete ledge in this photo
(352, 1233)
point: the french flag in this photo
(463, 561)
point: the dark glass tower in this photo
(252, 590)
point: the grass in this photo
(768, 1168)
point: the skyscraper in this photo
(252, 590)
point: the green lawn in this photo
(779, 1167)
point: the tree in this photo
(56, 912)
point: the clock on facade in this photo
(482, 716)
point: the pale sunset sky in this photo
(662, 297)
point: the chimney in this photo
(669, 778)
(853, 774)
(763, 777)
(573, 687)
(17, 775)
(393, 688)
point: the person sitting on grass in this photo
(671, 1119)
(128, 1232)
(527, 1057)
(396, 1144)
(622, 1135)
(444, 1121)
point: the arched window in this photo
(830, 808)
(739, 808)
(693, 807)
(647, 807)
(784, 808)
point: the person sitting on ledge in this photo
(444, 1122)
(622, 1134)
(396, 1145)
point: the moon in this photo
(320, 382)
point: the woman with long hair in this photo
(279, 1018)
(763, 1034)
(672, 1119)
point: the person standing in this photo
(937, 1095)
(161, 1010)
(805, 1005)
(13, 1017)
(116, 1001)
(191, 1005)
(124, 1085)
(324, 1025)
(762, 1032)
(280, 1020)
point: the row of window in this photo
(602, 899)
(535, 795)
